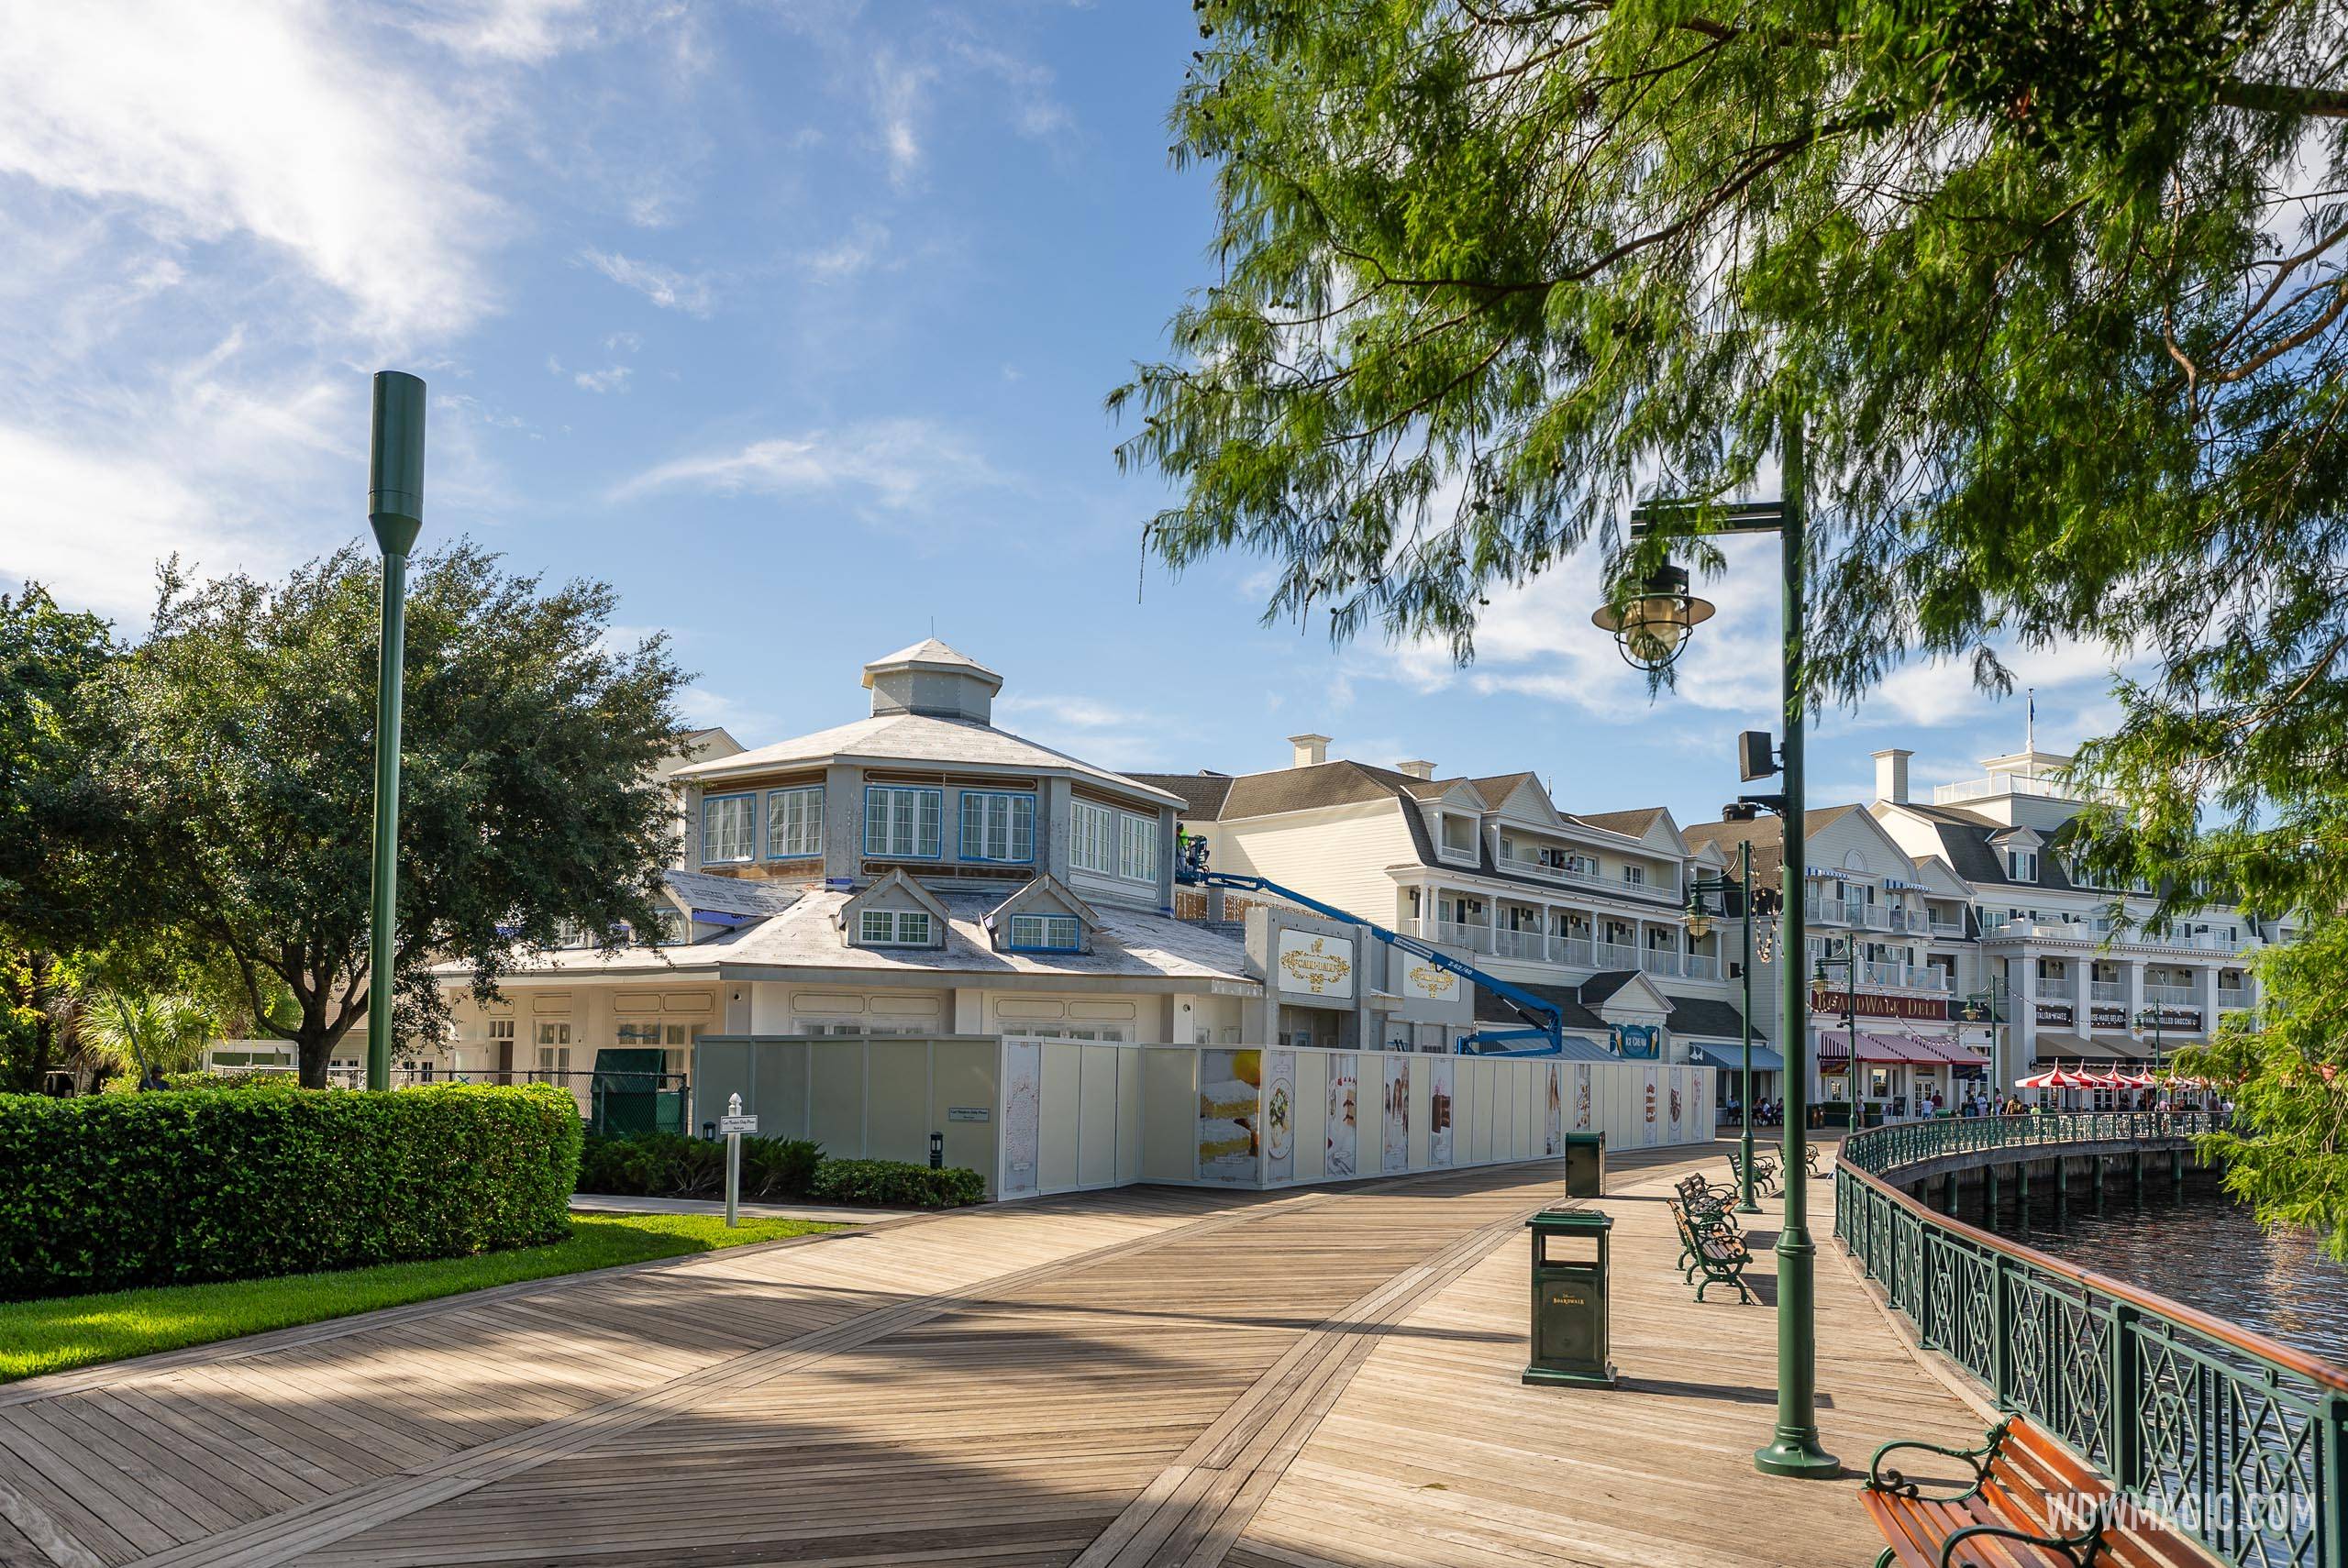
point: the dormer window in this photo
(1047, 933)
(2022, 865)
(1458, 834)
(895, 928)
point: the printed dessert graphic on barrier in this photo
(1553, 1140)
(1230, 1114)
(1398, 1113)
(1439, 1113)
(1023, 1105)
(1344, 1114)
(1582, 1096)
(1279, 1116)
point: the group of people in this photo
(1766, 1112)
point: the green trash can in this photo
(1585, 1165)
(1569, 1329)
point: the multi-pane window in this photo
(897, 928)
(998, 826)
(2022, 865)
(794, 822)
(1136, 847)
(903, 823)
(1112, 843)
(1636, 876)
(1057, 933)
(729, 829)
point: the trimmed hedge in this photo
(667, 1165)
(110, 1191)
(892, 1184)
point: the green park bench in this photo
(1700, 1196)
(1709, 1246)
(1764, 1171)
(2002, 1520)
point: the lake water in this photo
(2206, 1252)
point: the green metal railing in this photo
(2238, 1440)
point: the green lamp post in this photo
(395, 510)
(1699, 921)
(1651, 630)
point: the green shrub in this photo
(774, 1170)
(109, 1191)
(892, 1184)
(239, 1083)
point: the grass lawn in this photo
(62, 1332)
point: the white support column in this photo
(2023, 996)
(2136, 995)
(2205, 995)
(2082, 995)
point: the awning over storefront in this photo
(2053, 1048)
(1905, 1050)
(1582, 1048)
(1733, 1056)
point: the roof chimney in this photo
(1891, 775)
(1417, 767)
(1312, 751)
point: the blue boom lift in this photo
(1544, 1031)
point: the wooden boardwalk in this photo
(1147, 1376)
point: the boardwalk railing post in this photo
(2001, 1330)
(2123, 1421)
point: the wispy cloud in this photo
(664, 286)
(610, 379)
(864, 245)
(254, 122)
(894, 464)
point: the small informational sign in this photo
(728, 1126)
(967, 1113)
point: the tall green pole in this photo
(1744, 1166)
(1795, 1449)
(395, 510)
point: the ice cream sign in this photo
(1423, 979)
(1317, 965)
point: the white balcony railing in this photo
(2174, 996)
(1614, 955)
(2107, 990)
(1702, 966)
(1517, 864)
(1939, 926)
(2233, 996)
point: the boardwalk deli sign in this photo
(1828, 1001)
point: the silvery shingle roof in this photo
(1126, 943)
(731, 895)
(916, 737)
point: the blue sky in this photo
(791, 321)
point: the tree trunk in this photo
(314, 1046)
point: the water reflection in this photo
(2205, 1250)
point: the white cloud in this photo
(1077, 713)
(855, 252)
(526, 32)
(623, 342)
(664, 286)
(900, 103)
(702, 709)
(222, 119)
(611, 377)
(895, 465)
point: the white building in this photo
(1587, 911)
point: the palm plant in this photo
(139, 1032)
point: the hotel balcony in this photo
(1904, 976)
(2098, 933)
(2175, 995)
(2232, 996)
(1566, 952)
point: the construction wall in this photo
(1049, 1115)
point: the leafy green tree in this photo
(240, 737)
(54, 896)
(2059, 291)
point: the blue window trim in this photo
(1011, 946)
(709, 800)
(824, 805)
(962, 851)
(864, 828)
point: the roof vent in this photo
(1310, 751)
(1416, 767)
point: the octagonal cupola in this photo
(934, 680)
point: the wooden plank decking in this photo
(1148, 1377)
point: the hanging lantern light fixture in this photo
(1652, 629)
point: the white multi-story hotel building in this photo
(1587, 911)
(1959, 952)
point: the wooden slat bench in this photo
(2004, 1518)
(1764, 1171)
(1710, 1247)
